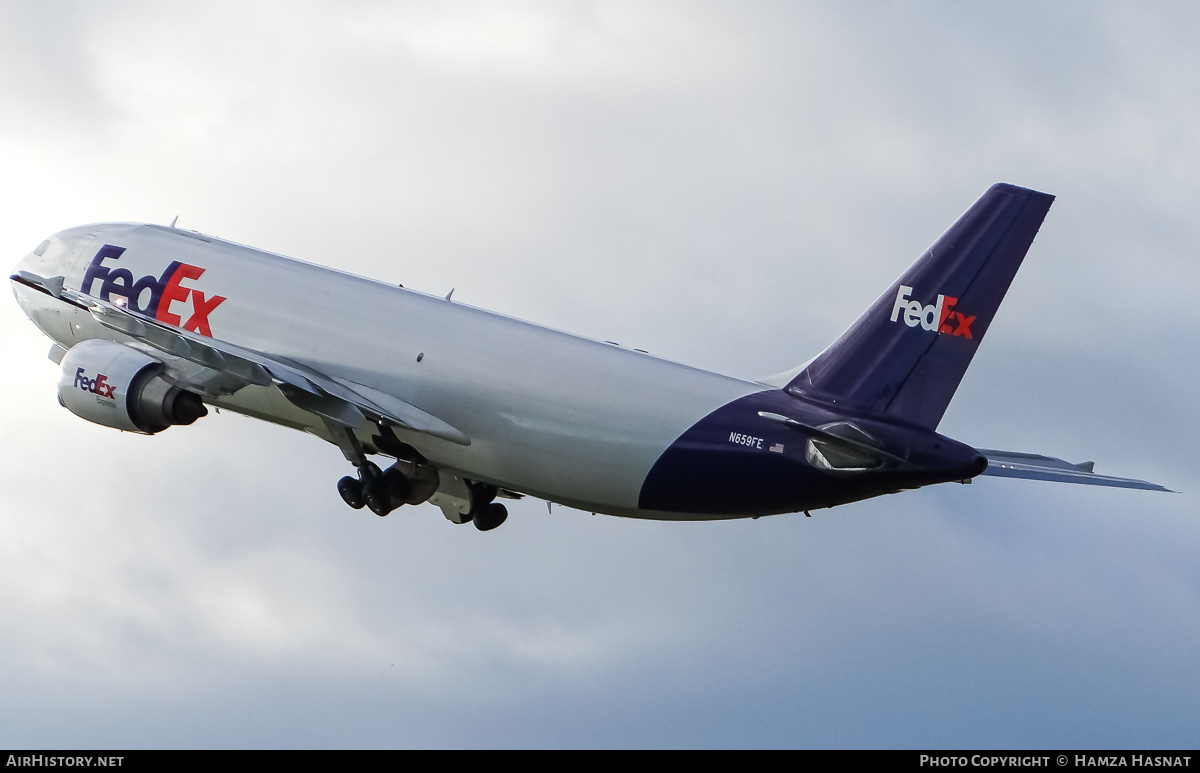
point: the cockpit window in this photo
(41, 248)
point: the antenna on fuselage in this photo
(176, 220)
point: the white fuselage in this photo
(560, 417)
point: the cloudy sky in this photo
(728, 184)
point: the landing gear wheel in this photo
(376, 497)
(490, 517)
(351, 490)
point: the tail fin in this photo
(906, 356)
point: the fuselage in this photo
(152, 323)
(581, 422)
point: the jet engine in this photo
(120, 387)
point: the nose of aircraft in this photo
(55, 256)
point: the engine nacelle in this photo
(117, 386)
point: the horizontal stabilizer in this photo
(1013, 464)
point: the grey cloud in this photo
(725, 184)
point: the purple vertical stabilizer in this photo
(905, 357)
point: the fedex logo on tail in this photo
(164, 297)
(939, 316)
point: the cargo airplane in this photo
(152, 324)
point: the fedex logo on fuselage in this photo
(98, 386)
(161, 297)
(939, 316)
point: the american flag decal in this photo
(777, 448)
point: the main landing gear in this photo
(408, 481)
(412, 480)
(380, 491)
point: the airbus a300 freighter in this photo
(151, 324)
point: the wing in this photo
(334, 400)
(1013, 464)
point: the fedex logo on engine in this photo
(939, 316)
(163, 297)
(98, 386)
